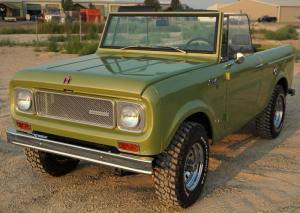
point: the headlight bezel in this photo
(140, 109)
(31, 109)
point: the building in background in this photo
(19, 8)
(286, 11)
(11, 9)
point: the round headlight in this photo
(129, 116)
(24, 100)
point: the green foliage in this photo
(262, 47)
(8, 43)
(88, 48)
(69, 28)
(263, 31)
(56, 28)
(67, 5)
(50, 28)
(284, 33)
(176, 5)
(91, 36)
(14, 30)
(57, 38)
(52, 46)
(73, 46)
(152, 3)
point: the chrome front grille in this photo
(75, 108)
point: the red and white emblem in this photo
(67, 79)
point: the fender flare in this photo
(187, 110)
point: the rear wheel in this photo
(269, 124)
(54, 165)
(180, 171)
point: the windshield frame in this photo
(170, 14)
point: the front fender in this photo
(188, 109)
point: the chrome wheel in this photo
(279, 111)
(193, 167)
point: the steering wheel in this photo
(200, 40)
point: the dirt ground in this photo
(247, 174)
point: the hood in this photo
(110, 73)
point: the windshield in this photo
(170, 32)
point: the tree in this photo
(176, 5)
(67, 5)
(91, 6)
(152, 3)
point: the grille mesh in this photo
(80, 109)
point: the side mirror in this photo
(239, 58)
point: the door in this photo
(243, 92)
(244, 81)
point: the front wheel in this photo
(54, 165)
(180, 171)
(269, 124)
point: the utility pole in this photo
(80, 33)
(36, 30)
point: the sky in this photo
(201, 4)
(197, 4)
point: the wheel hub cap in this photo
(278, 117)
(193, 166)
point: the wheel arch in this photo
(195, 111)
(202, 118)
(282, 81)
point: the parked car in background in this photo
(267, 19)
(10, 19)
(52, 15)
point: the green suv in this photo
(159, 91)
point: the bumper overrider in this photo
(122, 161)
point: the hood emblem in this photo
(67, 79)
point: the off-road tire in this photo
(51, 164)
(265, 127)
(169, 167)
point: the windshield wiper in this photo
(173, 48)
(135, 46)
(153, 47)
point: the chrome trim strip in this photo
(281, 59)
(122, 161)
(259, 66)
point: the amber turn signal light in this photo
(23, 126)
(128, 147)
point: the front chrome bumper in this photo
(122, 161)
